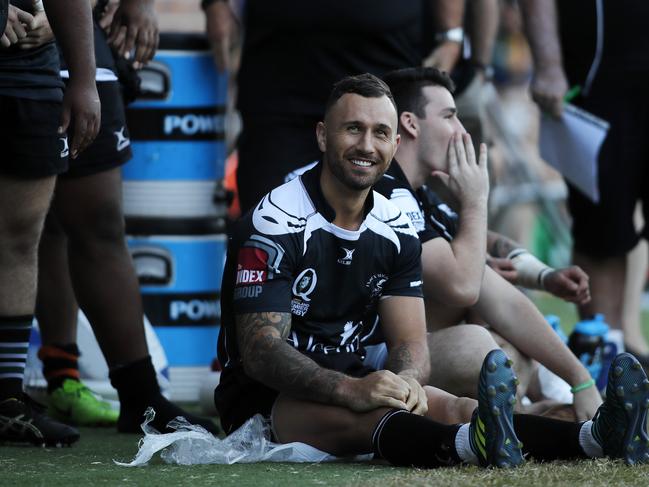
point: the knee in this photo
(102, 226)
(20, 234)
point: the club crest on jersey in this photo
(305, 283)
(347, 259)
(375, 285)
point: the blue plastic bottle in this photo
(587, 343)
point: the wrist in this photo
(582, 386)
(531, 271)
(344, 390)
(456, 34)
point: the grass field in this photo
(90, 462)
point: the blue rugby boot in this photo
(491, 432)
(620, 425)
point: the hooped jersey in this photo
(287, 256)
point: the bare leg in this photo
(343, 432)
(456, 356)
(56, 306)
(632, 307)
(607, 279)
(446, 408)
(333, 429)
(102, 273)
(23, 206)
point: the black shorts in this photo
(238, 397)
(29, 143)
(607, 229)
(112, 146)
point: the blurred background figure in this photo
(292, 52)
(607, 61)
(83, 254)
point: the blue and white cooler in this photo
(174, 217)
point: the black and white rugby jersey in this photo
(431, 217)
(287, 256)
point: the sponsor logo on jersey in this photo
(305, 283)
(417, 219)
(247, 292)
(349, 255)
(122, 141)
(252, 266)
(375, 285)
(66, 150)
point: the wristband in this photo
(583, 386)
(456, 34)
(531, 271)
(207, 3)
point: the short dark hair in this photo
(366, 85)
(406, 85)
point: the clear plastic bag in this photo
(193, 445)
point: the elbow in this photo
(250, 368)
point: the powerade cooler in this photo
(173, 220)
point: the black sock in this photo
(547, 439)
(406, 439)
(14, 342)
(60, 362)
(137, 388)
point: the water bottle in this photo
(613, 345)
(552, 386)
(587, 343)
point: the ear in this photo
(321, 135)
(409, 124)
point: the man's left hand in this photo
(417, 401)
(569, 284)
(41, 33)
(586, 402)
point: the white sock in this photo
(463, 445)
(588, 442)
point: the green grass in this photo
(90, 462)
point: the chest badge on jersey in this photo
(347, 258)
(303, 286)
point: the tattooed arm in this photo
(273, 362)
(500, 246)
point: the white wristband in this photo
(531, 271)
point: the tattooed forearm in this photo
(499, 245)
(411, 359)
(270, 360)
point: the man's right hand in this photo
(467, 178)
(18, 23)
(380, 389)
(81, 114)
(548, 87)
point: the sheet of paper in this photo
(571, 145)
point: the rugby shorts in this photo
(112, 146)
(607, 229)
(29, 143)
(238, 397)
